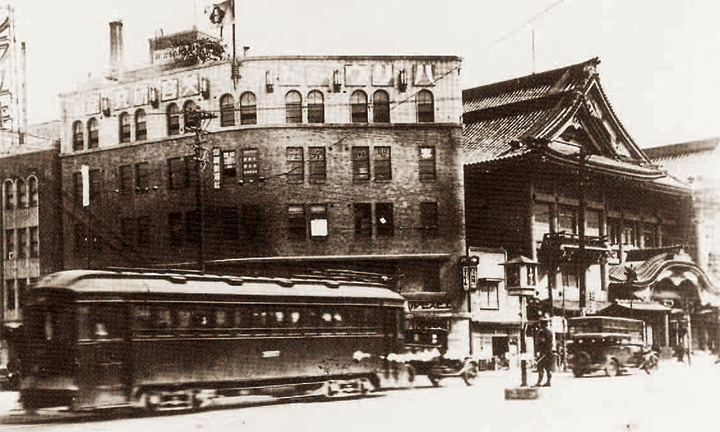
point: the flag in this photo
(221, 14)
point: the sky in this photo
(658, 58)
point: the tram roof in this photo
(130, 282)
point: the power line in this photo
(521, 26)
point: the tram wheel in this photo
(435, 380)
(612, 368)
(151, 401)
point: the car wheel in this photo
(581, 365)
(470, 373)
(612, 368)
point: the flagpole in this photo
(232, 68)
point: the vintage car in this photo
(609, 344)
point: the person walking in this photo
(545, 352)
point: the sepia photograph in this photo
(220, 215)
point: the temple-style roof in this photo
(560, 114)
(645, 269)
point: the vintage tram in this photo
(132, 338)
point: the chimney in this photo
(116, 50)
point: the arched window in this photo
(124, 123)
(227, 110)
(248, 109)
(425, 107)
(293, 107)
(381, 107)
(9, 195)
(359, 107)
(22, 194)
(173, 120)
(316, 107)
(189, 121)
(77, 137)
(140, 126)
(33, 191)
(93, 133)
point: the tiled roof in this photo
(506, 119)
(690, 159)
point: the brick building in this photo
(347, 164)
(32, 231)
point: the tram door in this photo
(105, 372)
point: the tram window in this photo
(338, 319)
(260, 318)
(294, 319)
(83, 322)
(312, 319)
(183, 318)
(279, 320)
(327, 319)
(141, 315)
(371, 317)
(201, 319)
(221, 318)
(164, 318)
(241, 318)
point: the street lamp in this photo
(521, 281)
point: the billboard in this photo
(10, 80)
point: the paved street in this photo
(678, 397)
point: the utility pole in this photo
(581, 235)
(193, 122)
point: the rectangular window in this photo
(141, 128)
(250, 165)
(192, 227)
(629, 237)
(362, 216)
(10, 244)
(143, 230)
(178, 173)
(126, 178)
(295, 164)
(78, 189)
(384, 219)
(80, 239)
(383, 166)
(229, 165)
(229, 223)
(361, 163)
(22, 243)
(96, 183)
(296, 222)
(142, 177)
(253, 223)
(175, 228)
(316, 156)
(34, 243)
(649, 235)
(592, 223)
(318, 221)
(567, 220)
(127, 228)
(10, 290)
(427, 164)
(429, 217)
(488, 295)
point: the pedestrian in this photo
(545, 353)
